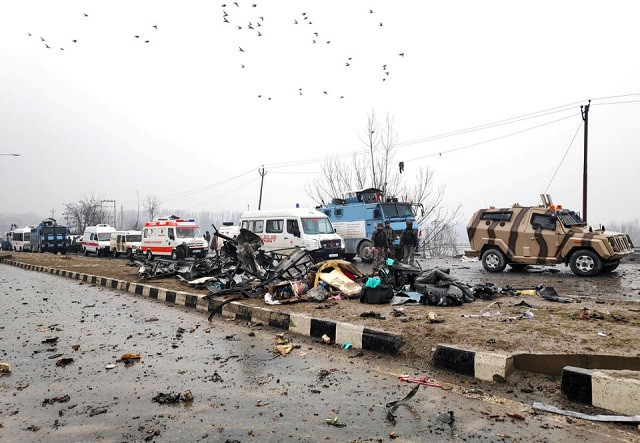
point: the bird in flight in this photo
(74, 41)
(48, 47)
(86, 15)
(259, 34)
(239, 27)
(42, 39)
(146, 41)
(324, 92)
(155, 26)
(224, 13)
(235, 3)
(295, 22)
(253, 5)
(136, 36)
(300, 89)
(29, 34)
(240, 49)
(329, 42)
(242, 66)
(261, 18)
(225, 20)
(370, 11)
(62, 49)
(347, 64)
(380, 24)
(384, 67)
(341, 97)
(316, 34)
(401, 54)
(249, 27)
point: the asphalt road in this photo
(241, 390)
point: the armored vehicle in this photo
(543, 235)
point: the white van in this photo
(283, 229)
(21, 239)
(125, 242)
(227, 229)
(96, 239)
(161, 236)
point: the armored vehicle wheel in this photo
(610, 267)
(149, 255)
(365, 252)
(494, 260)
(174, 254)
(585, 263)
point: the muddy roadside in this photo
(604, 317)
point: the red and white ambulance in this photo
(161, 237)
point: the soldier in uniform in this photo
(389, 233)
(409, 243)
(379, 240)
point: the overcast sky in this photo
(113, 114)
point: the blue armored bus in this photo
(48, 236)
(356, 215)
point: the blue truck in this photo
(356, 215)
(48, 236)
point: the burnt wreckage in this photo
(241, 266)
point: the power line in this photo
(226, 193)
(563, 157)
(487, 141)
(616, 103)
(201, 189)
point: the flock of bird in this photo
(255, 26)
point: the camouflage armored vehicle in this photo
(543, 235)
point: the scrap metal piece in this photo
(393, 405)
(603, 418)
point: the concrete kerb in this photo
(606, 390)
(360, 337)
(486, 366)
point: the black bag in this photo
(376, 296)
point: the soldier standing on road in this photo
(389, 233)
(409, 243)
(379, 240)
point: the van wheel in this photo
(97, 252)
(149, 255)
(86, 253)
(585, 263)
(174, 254)
(494, 260)
(365, 252)
(610, 267)
(129, 253)
(116, 254)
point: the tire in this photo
(518, 266)
(63, 252)
(116, 254)
(365, 252)
(585, 263)
(494, 260)
(149, 255)
(129, 253)
(610, 267)
(97, 252)
(86, 253)
(174, 255)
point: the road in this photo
(242, 391)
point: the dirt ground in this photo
(611, 303)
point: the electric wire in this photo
(615, 103)
(188, 193)
(564, 156)
(225, 194)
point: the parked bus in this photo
(21, 239)
(48, 236)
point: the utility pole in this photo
(53, 213)
(585, 118)
(121, 216)
(262, 174)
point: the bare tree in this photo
(151, 204)
(631, 228)
(436, 222)
(87, 212)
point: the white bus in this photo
(21, 239)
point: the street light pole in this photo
(13, 155)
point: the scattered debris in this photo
(110, 366)
(393, 405)
(334, 422)
(371, 314)
(425, 381)
(603, 418)
(550, 294)
(433, 318)
(50, 401)
(50, 340)
(515, 415)
(64, 361)
(97, 411)
(325, 339)
(75, 347)
(173, 397)
(5, 368)
(447, 417)
(260, 403)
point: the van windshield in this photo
(104, 236)
(188, 232)
(134, 238)
(314, 226)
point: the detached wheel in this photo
(174, 255)
(494, 260)
(149, 255)
(365, 252)
(585, 263)
(610, 267)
